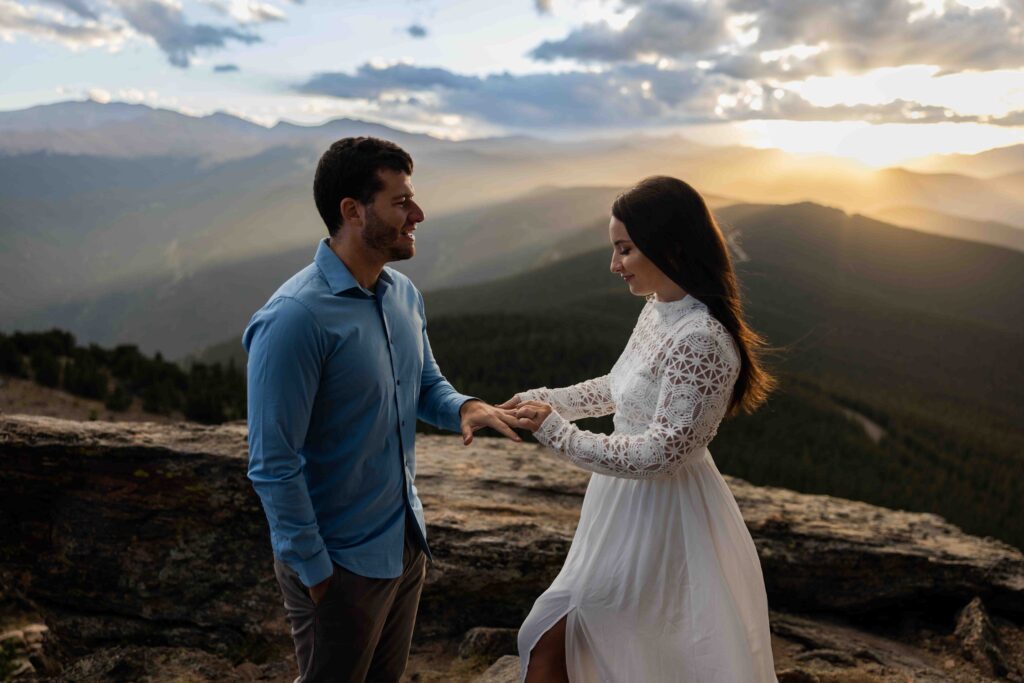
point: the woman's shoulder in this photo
(701, 324)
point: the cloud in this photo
(79, 7)
(1015, 118)
(99, 95)
(166, 24)
(371, 82)
(739, 36)
(564, 100)
(791, 107)
(41, 23)
(163, 21)
(225, 68)
(663, 27)
(625, 95)
(416, 31)
(248, 11)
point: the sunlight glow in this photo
(877, 145)
(992, 93)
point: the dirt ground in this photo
(22, 396)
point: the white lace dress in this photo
(662, 582)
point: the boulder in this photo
(489, 643)
(140, 541)
(505, 670)
(979, 641)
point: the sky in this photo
(880, 81)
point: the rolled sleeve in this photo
(286, 347)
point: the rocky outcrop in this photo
(141, 541)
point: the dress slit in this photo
(524, 653)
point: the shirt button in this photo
(403, 423)
(399, 382)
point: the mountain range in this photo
(115, 218)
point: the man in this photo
(339, 370)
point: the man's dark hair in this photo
(349, 169)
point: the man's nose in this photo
(417, 215)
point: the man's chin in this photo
(401, 254)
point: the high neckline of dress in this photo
(674, 309)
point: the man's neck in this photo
(365, 265)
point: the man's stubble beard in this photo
(382, 238)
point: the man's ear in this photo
(351, 211)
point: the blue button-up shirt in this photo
(337, 377)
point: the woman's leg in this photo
(547, 658)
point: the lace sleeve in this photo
(592, 398)
(694, 391)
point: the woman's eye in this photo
(624, 252)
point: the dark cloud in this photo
(416, 31)
(663, 27)
(79, 7)
(369, 82)
(856, 35)
(178, 39)
(542, 6)
(533, 100)
(1015, 118)
(627, 95)
(225, 68)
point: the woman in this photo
(662, 582)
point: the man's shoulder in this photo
(300, 291)
(401, 281)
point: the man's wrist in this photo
(463, 408)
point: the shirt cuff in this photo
(538, 394)
(551, 425)
(457, 402)
(315, 569)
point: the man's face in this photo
(392, 217)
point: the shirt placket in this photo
(407, 474)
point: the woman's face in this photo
(638, 271)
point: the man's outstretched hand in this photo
(476, 415)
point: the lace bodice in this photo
(669, 391)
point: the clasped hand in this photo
(529, 414)
(513, 413)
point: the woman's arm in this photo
(696, 384)
(592, 398)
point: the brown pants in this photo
(361, 629)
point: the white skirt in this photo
(662, 583)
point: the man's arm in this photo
(442, 406)
(286, 348)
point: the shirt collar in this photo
(339, 277)
(669, 311)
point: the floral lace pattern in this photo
(669, 391)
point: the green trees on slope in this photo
(209, 393)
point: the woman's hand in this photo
(511, 403)
(531, 414)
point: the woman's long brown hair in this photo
(671, 225)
